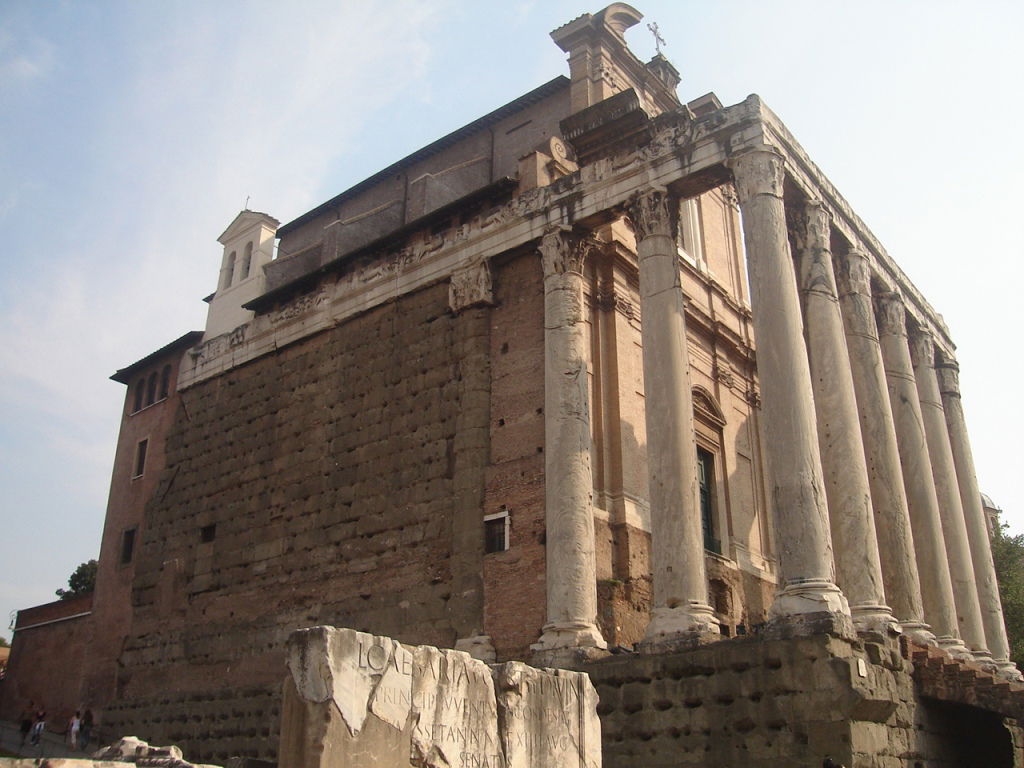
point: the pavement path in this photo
(51, 744)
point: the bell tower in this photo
(248, 246)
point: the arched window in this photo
(165, 381)
(246, 261)
(151, 389)
(228, 272)
(140, 388)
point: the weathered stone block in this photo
(355, 700)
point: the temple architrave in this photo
(602, 380)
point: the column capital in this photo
(563, 250)
(948, 372)
(758, 171)
(470, 286)
(892, 314)
(817, 274)
(649, 213)
(922, 348)
(853, 273)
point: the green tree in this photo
(81, 582)
(4, 643)
(1008, 556)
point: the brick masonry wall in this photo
(47, 659)
(311, 486)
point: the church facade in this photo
(600, 380)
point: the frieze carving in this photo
(891, 314)
(237, 337)
(757, 171)
(650, 214)
(299, 306)
(562, 251)
(470, 286)
(753, 396)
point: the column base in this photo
(1008, 671)
(919, 632)
(568, 644)
(810, 607)
(479, 647)
(955, 647)
(679, 628)
(874, 620)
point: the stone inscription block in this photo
(359, 700)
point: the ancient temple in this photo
(602, 380)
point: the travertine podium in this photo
(358, 700)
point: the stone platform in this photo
(763, 703)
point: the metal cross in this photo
(247, 202)
(658, 39)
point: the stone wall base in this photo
(761, 702)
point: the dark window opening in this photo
(140, 457)
(706, 480)
(165, 382)
(151, 389)
(208, 533)
(140, 388)
(496, 533)
(127, 546)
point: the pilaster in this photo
(680, 611)
(808, 598)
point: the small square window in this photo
(127, 546)
(496, 530)
(208, 533)
(140, 458)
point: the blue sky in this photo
(131, 134)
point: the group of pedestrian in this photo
(33, 725)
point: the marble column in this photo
(878, 431)
(571, 628)
(926, 524)
(680, 610)
(858, 567)
(951, 511)
(807, 597)
(974, 515)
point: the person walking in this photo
(74, 725)
(38, 727)
(26, 718)
(86, 732)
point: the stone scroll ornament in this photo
(355, 700)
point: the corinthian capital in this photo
(922, 348)
(853, 273)
(892, 315)
(649, 214)
(562, 251)
(758, 171)
(948, 372)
